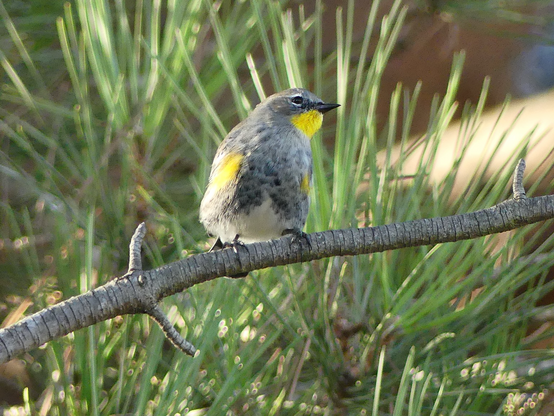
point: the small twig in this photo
(170, 332)
(518, 189)
(135, 260)
(155, 312)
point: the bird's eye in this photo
(297, 100)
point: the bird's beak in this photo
(324, 107)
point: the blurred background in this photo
(110, 113)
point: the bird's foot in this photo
(297, 236)
(220, 245)
(235, 244)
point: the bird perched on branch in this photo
(262, 172)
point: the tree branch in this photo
(140, 291)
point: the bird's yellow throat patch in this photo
(227, 170)
(308, 123)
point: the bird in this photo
(261, 175)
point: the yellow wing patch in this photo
(305, 184)
(308, 123)
(227, 170)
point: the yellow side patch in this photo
(227, 170)
(308, 123)
(305, 184)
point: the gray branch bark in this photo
(140, 291)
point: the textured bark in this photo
(139, 291)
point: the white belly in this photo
(261, 224)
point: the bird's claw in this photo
(297, 236)
(234, 244)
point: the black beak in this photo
(324, 107)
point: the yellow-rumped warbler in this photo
(262, 172)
